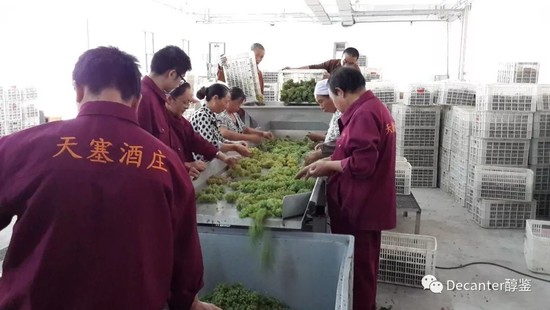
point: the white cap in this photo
(321, 88)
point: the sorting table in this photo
(408, 203)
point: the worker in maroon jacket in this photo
(106, 219)
(259, 53)
(361, 184)
(349, 58)
(187, 140)
(168, 68)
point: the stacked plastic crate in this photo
(540, 152)
(403, 172)
(298, 75)
(500, 185)
(242, 71)
(458, 99)
(518, 72)
(271, 86)
(386, 91)
(417, 127)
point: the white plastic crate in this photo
(403, 172)
(271, 92)
(543, 97)
(420, 156)
(385, 91)
(542, 177)
(271, 77)
(506, 183)
(537, 246)
(421, 94)
(457, 188)
(444, 180)
(424, 177)
(405, 258)
(460, 143)
(497, 124)
(299, 75)
(469, 201)
(417, 137)
(446, 116)
(540, 152)
(499, 152)
(446, 139)
(457, 93)
(459, 167)
(518, 72)
(543, 204)
(462, 119)
(371, 74)
(444, 159)
(541, 127)
(503, 214)
(507, 97)
(411, 116)
(241, 71)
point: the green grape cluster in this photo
(237, 297)
(211, 194)
(217, 180)
(298, 92)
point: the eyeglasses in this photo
(182, 79)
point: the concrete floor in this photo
(460, 241)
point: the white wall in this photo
(40, 44)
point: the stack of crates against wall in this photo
(501, 139)
(298, 75)
(537, 246)
(538, 158)
(403, 174)
(457, 93)
(405, 258)
(417, 131)
(241, 71)
(460, 131)
(422, 94)
(387, 92)
(271, 86)
(445, 135)
(518, 72)
(503, 196)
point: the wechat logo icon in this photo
(430, 282)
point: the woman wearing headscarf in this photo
(205, 123)
(325, 148)
(361, 178)
(231, 125)
(187, 140)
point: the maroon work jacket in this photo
(189, 141)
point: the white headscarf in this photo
(321, 88)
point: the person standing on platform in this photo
(361, 194)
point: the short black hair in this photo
(170, 58)
(257, 46)
(347, 79)
(180, 90)
(353, 52)
(215, 89)
(108, 67)
(237, 93)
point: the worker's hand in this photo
(256, 139)
(268, 135)
(231, 161)
(194, 173)
(243, 143)
(200, 305)
(199, 165)
(243, 150)
(315, 137)
(223, 60)
(326, 75)
(318, 146)
(312, 157)
(319, 168)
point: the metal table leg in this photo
(417, 224)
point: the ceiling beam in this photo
(346, 12)
(319, 11)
